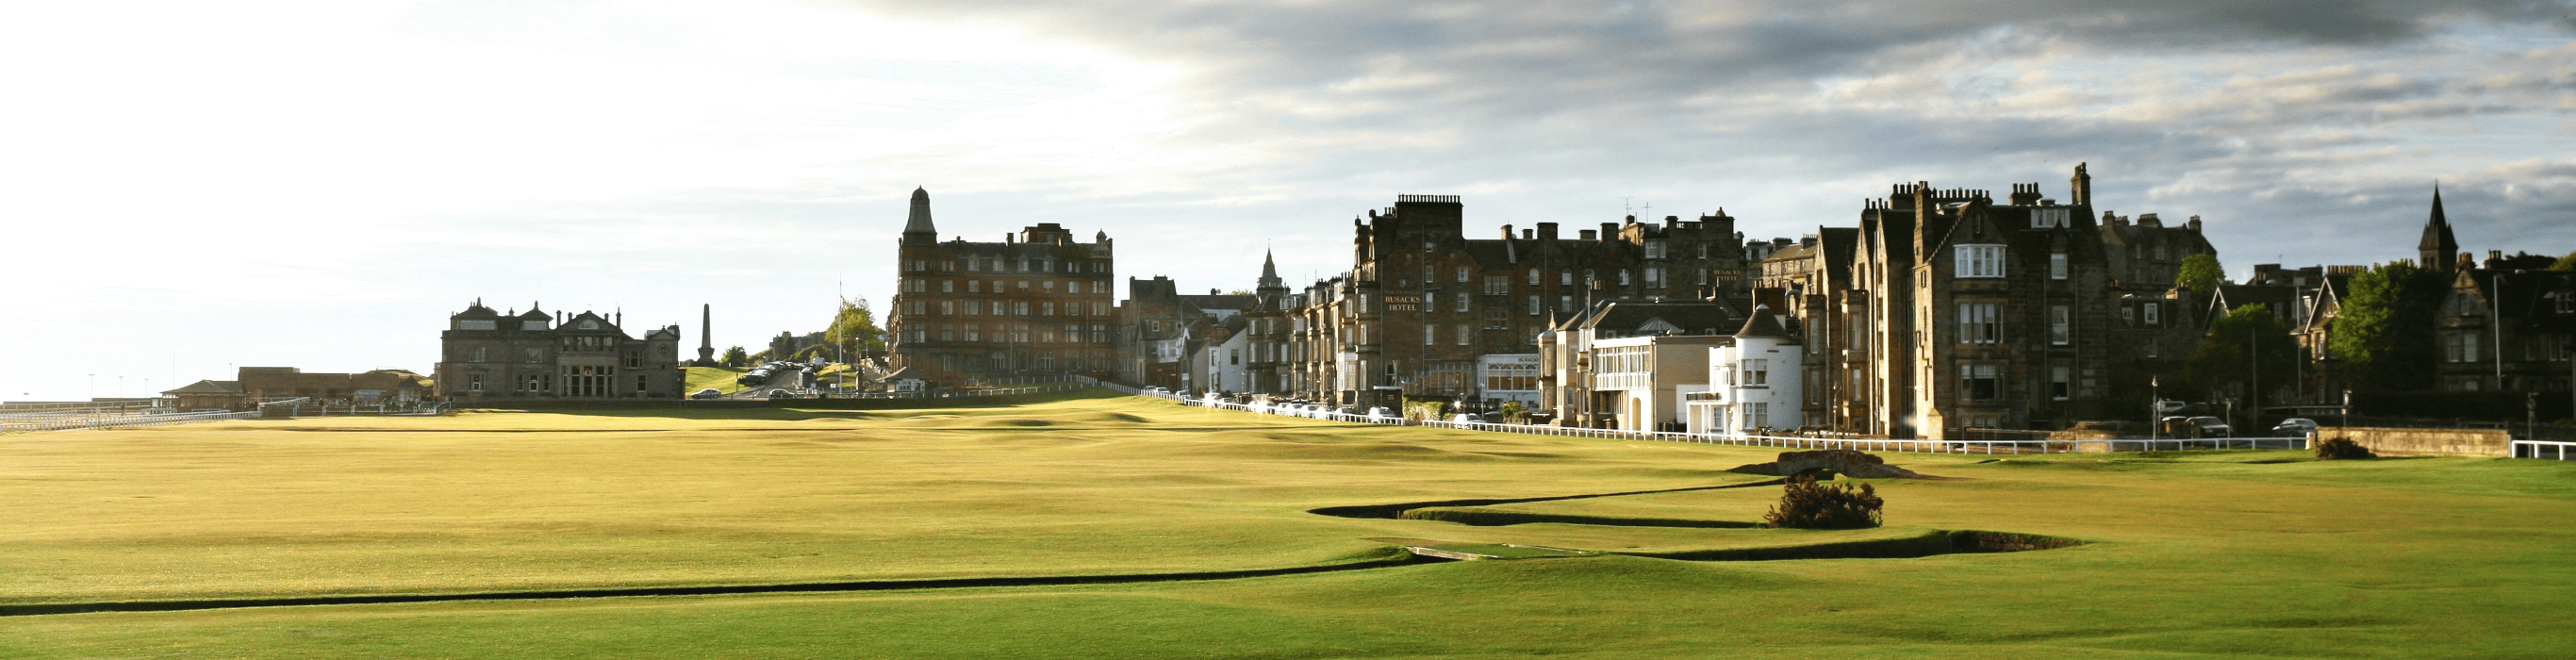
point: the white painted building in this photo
(1503, 377)
(1753, 382)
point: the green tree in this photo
(2565, 263)
(734, 357)
(2383, 334)
(2247, 346)
(855, 327)
(2202, 273)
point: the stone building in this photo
(2507, 330)
(1162, 334)
(491, 355)
(1422, 302)
(1977, 314)
(2144, 255)
(1037, 304)
(1812, 282)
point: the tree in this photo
(855, 327)
(2247, 346)
(2383, 334)
(734, 357)
(2565, 263)
(2201, 273)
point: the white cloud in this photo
(365, 167)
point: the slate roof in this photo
(208, 387)
(1763, 324)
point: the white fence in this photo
(68, 422)
(2556, 451)
(1786, 442)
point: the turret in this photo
(917, 229)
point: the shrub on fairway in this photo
(1806, 504)
(2342, 449)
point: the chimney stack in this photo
(1547, 231)
(1610, 230)
(1589, 235)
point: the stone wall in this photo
(2425, 442)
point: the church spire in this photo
(2439, 249)
(917, 228)
(1272, 290)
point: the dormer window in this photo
(590, 324)
(532, 325)
(2048, 218)
(477, 325)
(1980, 260)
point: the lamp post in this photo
(2155, 409)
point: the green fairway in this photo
(718, 378)
(2212, 553)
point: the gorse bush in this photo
(1805, 504)
(2342, 449)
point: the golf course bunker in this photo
(1472, 512)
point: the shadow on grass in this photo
(1926, 544)
(783, 409)
(1386, 557)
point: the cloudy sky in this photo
(192, 186)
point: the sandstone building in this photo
(486, 354)
(1976, 314)
(1037, 304)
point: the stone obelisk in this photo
(706, 340)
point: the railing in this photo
(2556, 451)
(1785, 442)
(65, 423)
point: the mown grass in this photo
(720, 378)
(2239, 553)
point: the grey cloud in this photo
(1543, 99)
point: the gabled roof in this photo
(905, 373)
(1632, 317)
(2528, 300)
(208, 387)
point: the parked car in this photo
(708, 393)
(1466, 418)
(1378, 412)
(2295, 426)
(781, 394)
(2210, 427)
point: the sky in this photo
(189, 187)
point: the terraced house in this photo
(1971, 313)
(1038, 303)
